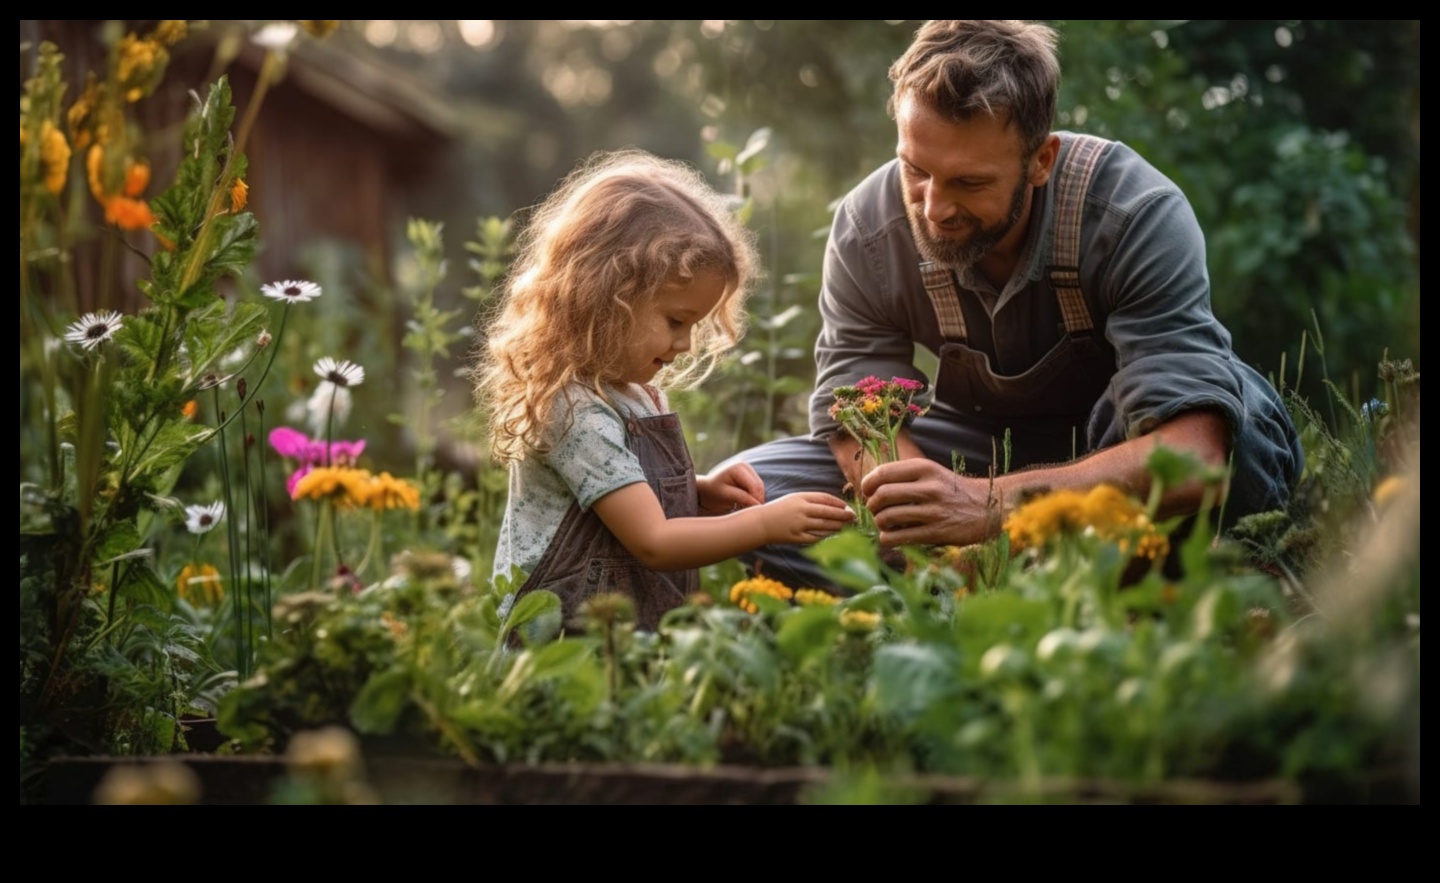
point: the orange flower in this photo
(239, 193)
(128, 214)
(190, 409)
(124, 211)
(137, 177)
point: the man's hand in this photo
(918, 501)
(737, 486)
(855, 464)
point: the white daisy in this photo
(202, 519)
(291, 291)
(344, 373)
(276, 35)
(94, 329)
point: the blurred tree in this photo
(1297, 141)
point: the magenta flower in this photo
(309, 453)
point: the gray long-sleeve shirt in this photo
(1143, 274)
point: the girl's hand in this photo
(737, 486)
(805, 517)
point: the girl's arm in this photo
(634, 515)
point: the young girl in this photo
(630, 278)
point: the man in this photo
(1060, 281)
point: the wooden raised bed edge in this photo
(250, 780)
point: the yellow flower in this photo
(239, 194)
(54, 157)
(814, 597)
(340, 484)
(1106, 509)
(139, 64)
(159, 783)
(200, 583)
(859, 621)
(761, 585)
(80, 117)
(170, 31)
(1388, 489)
(326, 753)
(319, 29)
(397, 627)
(385, 491)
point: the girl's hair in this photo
(618, 229)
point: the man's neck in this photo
(999, 264)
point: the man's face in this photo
(967, 184)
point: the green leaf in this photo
(807, 632)
(722, 150)
(908, 679)
(212, 333)
(120, 539)
(1171, 467)
(850, 558)
(529, 607)
(379, 704)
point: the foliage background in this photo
(1297, 141)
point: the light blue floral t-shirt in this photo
(587, 460)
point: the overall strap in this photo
(940, 286)
(1072, 181)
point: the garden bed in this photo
(253, 780)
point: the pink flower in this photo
(310, 453)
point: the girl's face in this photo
(662, 327)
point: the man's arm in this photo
(918, 501)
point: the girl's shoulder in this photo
(622, 400)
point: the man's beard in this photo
(962, 254)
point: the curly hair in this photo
(617, 230)
(961, 68)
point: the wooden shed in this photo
(340, 150)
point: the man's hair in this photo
(1007, 69)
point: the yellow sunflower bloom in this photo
(339, 484)
(1105, 509)
(859, 621)
(385, 491)
(741, 592)
(815, 598)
